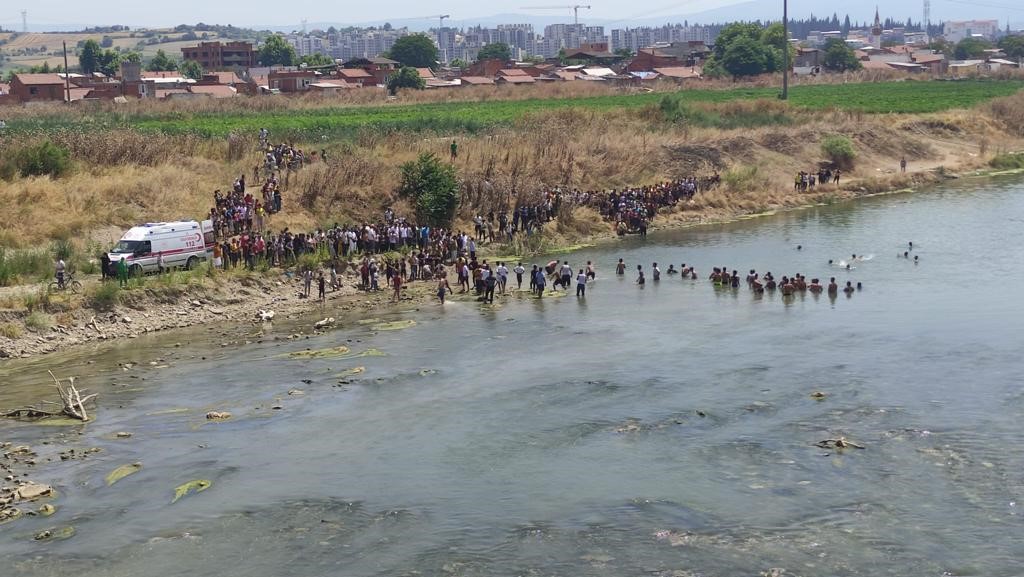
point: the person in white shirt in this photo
(581, 284)
(502, 276)
(519, 270)
(565, 275)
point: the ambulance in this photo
(183, 244)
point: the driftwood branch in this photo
(72, 404)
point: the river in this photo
(664, 431)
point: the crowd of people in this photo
(806, 180)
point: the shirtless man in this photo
(848, 289)
(671, 269)
(591, 272)
(620, 269)
(833, 288)
(815, 287)
(787, 287)
(640, 280)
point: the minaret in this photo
(876, 31)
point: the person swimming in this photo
(848, 289)
(620, 268)
(671, 269)
(859, 286)
(833, 288)
(815, 286)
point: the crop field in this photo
(908, 97)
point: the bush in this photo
(104, 297)
(1010, 161)
(19, 265)
(38, 321)
(63, 249)
(45, 158)
(433, 187)
(10, 330)
(839, 151)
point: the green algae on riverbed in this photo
(122, 472)
(394, 325)
(334, 353)
(196, 486)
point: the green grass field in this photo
(343, 122)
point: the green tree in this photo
(459, 63)
(161, 62)
(839, 57)
(316, 60)
(416, 50)
(109, 62)
(839, 149)
(713, 68)
(1012, 46)
(406, 77)
(775, 41)
(624, 53)
(734, 32)
(131, 56)
(433, 187)
(495, 51)
(275, 51)
(89, 56)
(745, 57)
(971, 48)
(191, 69)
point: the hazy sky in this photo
(51, 14)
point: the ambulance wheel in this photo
(190, 264)
(135, 271)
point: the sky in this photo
(72, 14)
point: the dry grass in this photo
(123, 178)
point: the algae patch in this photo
(196, 486)
(122, 472)
(328, 353)
(394, 325)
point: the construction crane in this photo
(440, 19)
(440, 27)
(574, 7)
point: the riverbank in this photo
(189, 299)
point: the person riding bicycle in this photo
(60, 272)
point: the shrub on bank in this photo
(839, 151)
(38, 321)
(1010, 161)
(10, 330)
(42, 159)
(104, 296)
(24, 265)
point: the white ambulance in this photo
(181, 244)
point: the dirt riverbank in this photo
(237, 297)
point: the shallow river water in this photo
(664, 431)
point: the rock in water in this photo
(32, 491)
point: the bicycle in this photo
(69, 284)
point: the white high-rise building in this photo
(955, 31)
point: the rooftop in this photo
(39, 79)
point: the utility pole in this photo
(67, 75)
(785, 51)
